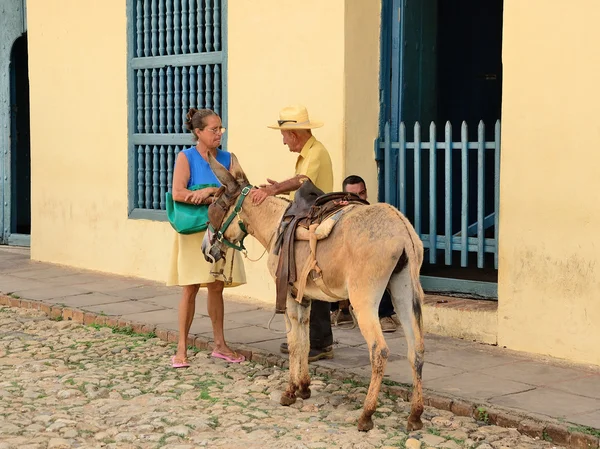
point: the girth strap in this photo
(311, 267)
(286, 265)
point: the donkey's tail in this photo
(414, 258)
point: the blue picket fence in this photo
(404, 161)
(176, 61)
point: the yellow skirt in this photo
(188, 266)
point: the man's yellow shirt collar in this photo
(309, 143)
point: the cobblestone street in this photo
(65, 385)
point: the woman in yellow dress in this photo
(188, 267)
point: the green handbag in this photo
(188, 218)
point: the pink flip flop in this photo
(176, 364)
(233, 358)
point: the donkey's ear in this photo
(222, 174)
(237, 171)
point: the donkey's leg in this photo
(289, 396)
(408, 308)
(302, 350)
(298, 346)
(366, 305)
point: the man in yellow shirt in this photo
(313, 163)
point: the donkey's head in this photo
(226, 228)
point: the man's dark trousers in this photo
(321, 335)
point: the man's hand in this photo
(271, 183)
(264, 190)
(276, 188)
(259, 195)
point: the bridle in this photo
(224, 202)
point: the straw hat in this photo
(295, 117)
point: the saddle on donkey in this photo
(310, 217)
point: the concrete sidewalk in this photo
(475, 373)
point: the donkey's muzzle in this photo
(211, 248)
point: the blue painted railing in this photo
(176, 61)
(460, 159)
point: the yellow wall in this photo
(549, 278)
(361, 71)
(78, 82)
(280, 53)
(312, 52)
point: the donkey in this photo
(371, 248)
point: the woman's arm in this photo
(181, 177)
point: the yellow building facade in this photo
(549, 278)
(326, 55)
(278, 54)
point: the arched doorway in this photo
(20, 226)
(15, 179)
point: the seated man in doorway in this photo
(313, 163)
(341, 310)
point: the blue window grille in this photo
(176, 60)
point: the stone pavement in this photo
(65, 385)
(457, 373)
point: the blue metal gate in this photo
(459, 159)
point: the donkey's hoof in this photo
(365, 424)
(287, 400)
(304, 394)
(414, 424)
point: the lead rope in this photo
(287, 318)
(245, 253)
(230, 280)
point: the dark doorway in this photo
(449, 65)
(469, 63)
(20, 139)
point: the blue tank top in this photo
(200, 172)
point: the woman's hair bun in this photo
(188, 119)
